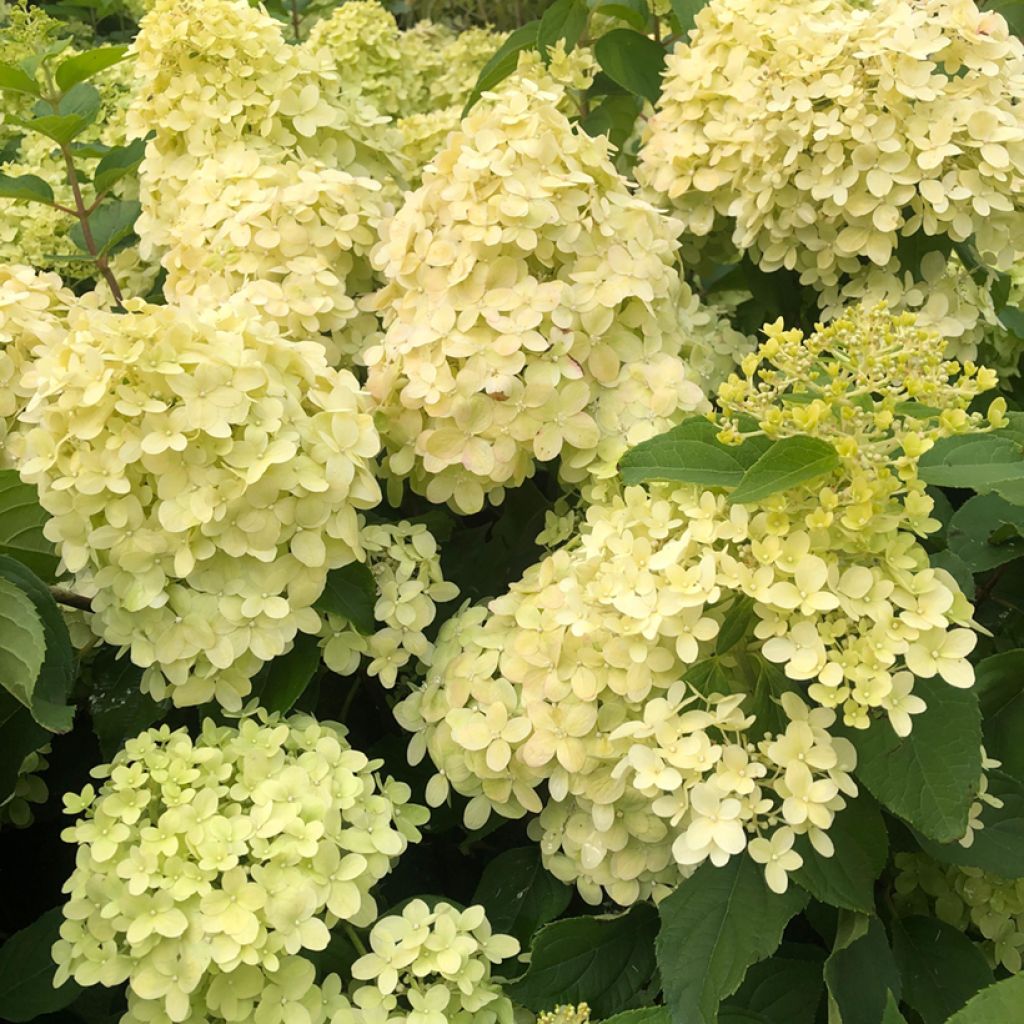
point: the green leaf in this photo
(716, 924)
(519, 894)
(847, 878)
(686, 11)
(981, 462)
(941, 968)
(892, 1013)
(736, 624)
(118, 707)
(110, 223)
(504, 62)
(999, 681)
(930, 777)
(785, 989)
(632, 60)
(13, 79)
(19, 737)
(117, 163)
(281, 682)
(973, 525)
(351, 593)
(22, 642)
(615, 116)
(27, 970)
(21, 526)
(788, 462)
(84, 65)
(635, 12)
(860, 973)
(564, 19)
(646, 1015)
(27, 187)
(999, 846)
(690, 453)
(998, 1004)
(49, 705)
(603, 961)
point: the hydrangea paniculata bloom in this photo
(203, 474)
(406, 566)
(531, 310)
(232, 852)
(821, 133)
(430, 966)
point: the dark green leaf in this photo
(930, 777)
(892, 1013)
(788, 462)
(117, 163)
(941, 968)
(632, 60)
(784, 989)
(686, 11)
(49, 705)
(564, 19)
(713, 927)
(504, 62)
(615, 116)
(981, 462)
(351, 593)
(118, 707)
(603, 961)
(281, 682)
(646, 1015)
(28, 187)
(999, 846)
(22, 642)
(972, 530)
(519, 894)
(27, 970)
(998, 1004)
(736, 625)
(999, 681)
(19, 737)
(1012, 318)
(635, 12)
(110, 223)
(912, 250)
(13, 79)
(847, 878)
(21, 526)
(84, 65)
(861, 973)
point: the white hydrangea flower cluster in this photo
(268, 173)
(531, 310)
(599, 673)
(988, 907)
(577, 680)
(29, 789)
(205, 867)
(406, 566)
(566, 1014)
(822, 132)
(203, 474)
(33, 307)
(430, 965)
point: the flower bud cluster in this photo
(430, 965)
(203, 475)
(268, 171)
(406, 565)
(531, 310)
(823, 133)
(566, 1014)
(205, 867)
(988, 908)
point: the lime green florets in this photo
(206, 867)
(579, 1014)
(821, 133)
(203, 475)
